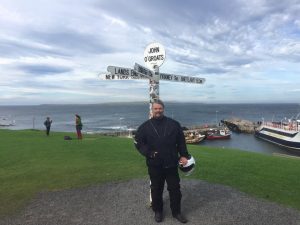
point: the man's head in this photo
(158, 109)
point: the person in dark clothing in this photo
(78, 126)
(47, 124)
(161, 141)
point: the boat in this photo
(193, 137)
(286, 134)
(5, 122)
(195, 140)
(218, 134)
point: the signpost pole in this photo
(153, 89)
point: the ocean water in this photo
(123, 116)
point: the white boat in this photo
(285, 134)
(5, 122)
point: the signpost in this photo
(154, 57)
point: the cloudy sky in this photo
(53, 51)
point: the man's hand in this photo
(183, 161)
(153, 155)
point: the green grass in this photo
(30, 163)
(264, 176)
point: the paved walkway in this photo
(123, 203)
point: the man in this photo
(161, 140)
(47, 124)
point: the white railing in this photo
(291, 126)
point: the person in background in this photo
(161, 141)
(47, 124)
(78, 126)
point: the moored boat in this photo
(193, 137)
(195, 140)
(6, 122)
(216, 134)
(284, 134)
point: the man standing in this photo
(47, 124)
(161, 140)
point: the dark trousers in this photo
(158, 176)
(79, 135)
(47, 130)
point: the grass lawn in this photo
(30, 163)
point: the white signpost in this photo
(154, 57)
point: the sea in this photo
(115, 117)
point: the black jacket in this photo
(164, 136)
(47, 123)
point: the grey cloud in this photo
(17, 48)
(93, 82)
(72, 42)
(210, 86)
(59, 43)
(292, 51)
(238, 23)
(186, 61)
(195, 62)
(215, 70)
(55, 86)
(199, 66)
(211, 98)
(158, 13)
(40, 69)
(239, 61)
(30, 83)
(268, 7)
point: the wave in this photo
(113, 128)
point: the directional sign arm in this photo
(181, 78)
(143, 70)
(140, 72)
(121, 73)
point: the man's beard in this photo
(158, 116)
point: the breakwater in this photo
(234, 124)
(240, 125)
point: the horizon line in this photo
(144, 102)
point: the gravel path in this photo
(126, 203)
